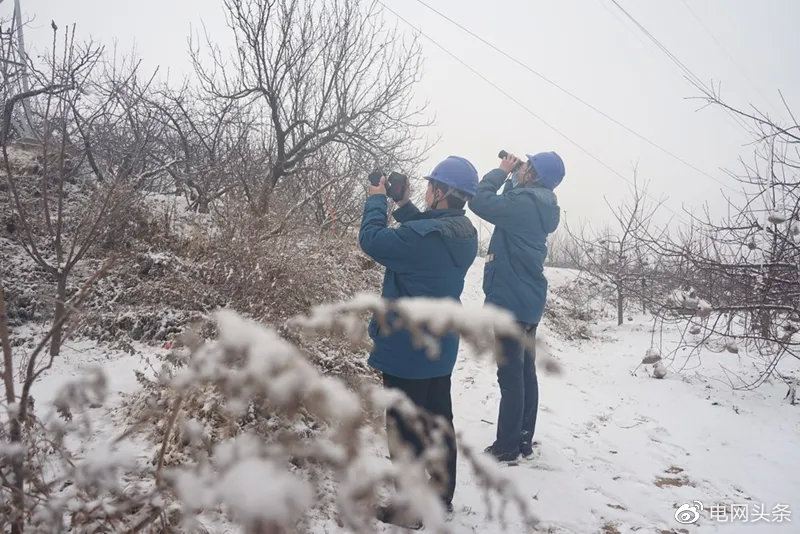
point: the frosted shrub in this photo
(247, 426)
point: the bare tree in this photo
(336, 179)
(744, 268)
(615, 256)
(210, 144)
(561, 249)
(93, 149)
(20, 407)
(321, 74)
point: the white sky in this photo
(587, 46)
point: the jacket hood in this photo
(459, 236)
(547, 203)
(549, 212)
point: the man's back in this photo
(427, 256)
(523, 217)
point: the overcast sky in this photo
(587, 46)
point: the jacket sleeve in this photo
(391, 247)
(409, 212)
(491, 207)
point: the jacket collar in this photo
(535, 185)
(437, 214)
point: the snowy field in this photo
(620, 452)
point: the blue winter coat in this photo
(514, 274)
(428, 255)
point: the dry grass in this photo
(663, 482)
(673, 481)
(609, 528)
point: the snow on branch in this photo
(427, 319)
(255, 371)
(247, 426)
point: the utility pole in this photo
(22, 56)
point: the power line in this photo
(691, 76)
(519, 103)
(686, 70)
(572, 95)
(732, 59)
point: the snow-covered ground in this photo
(620, 452)
(623, 451)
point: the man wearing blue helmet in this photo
(523, 215)
(428, 255)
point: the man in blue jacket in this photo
(523, 215)
(428, 255)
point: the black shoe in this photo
(526, 449)
(507, 456)
(392, 515)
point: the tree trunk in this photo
(267, 189)
(261, 206)
(61, 299)
(765, 324)
(15, 427)
(18, 500)
(620, 302)
(202, 204)
(644, 302)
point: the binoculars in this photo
(396, 183)
(503, 154)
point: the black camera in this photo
(396, 183)
(503, 154)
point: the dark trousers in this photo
(519, 393)
(433, 396)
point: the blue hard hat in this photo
(549, 168)
(457, 173)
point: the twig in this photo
(176, 408)
(8, 363)
(68, 312)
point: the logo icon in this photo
(689, 512)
